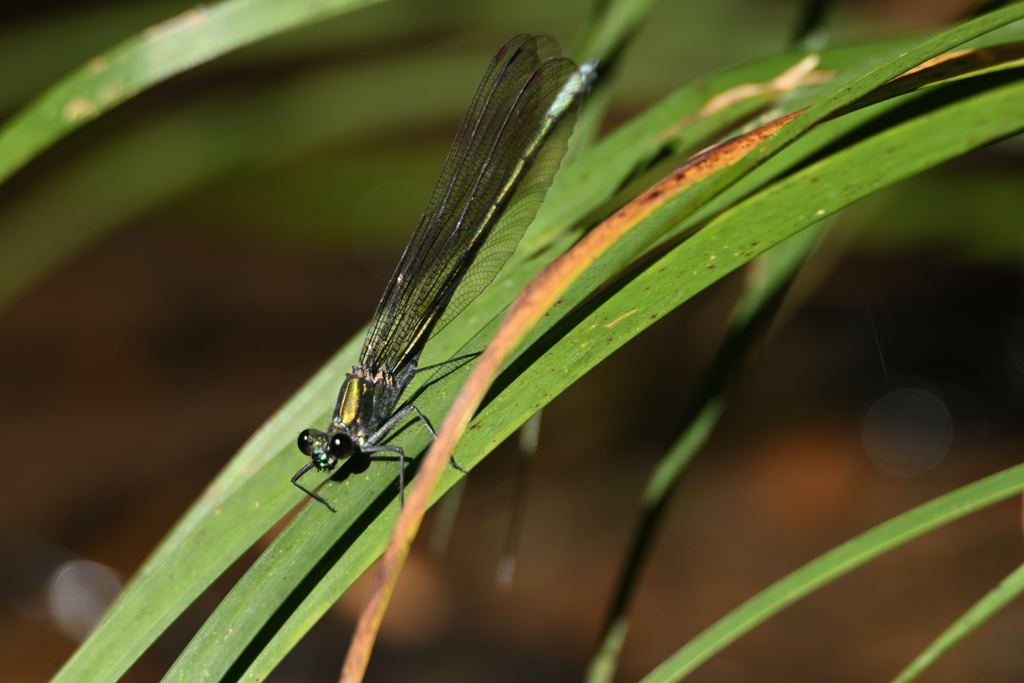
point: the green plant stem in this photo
(980, 612)
(529, 435)
(773, 273)
(835, 563)
(178, 44)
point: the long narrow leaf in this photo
(835, 563)
(615, 234)
(278, 578)
(251, 491)
(140, 62)
(996, 599)
(596, 336)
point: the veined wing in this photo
(495, 177)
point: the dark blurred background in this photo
(223, 212)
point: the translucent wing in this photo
(495, 177)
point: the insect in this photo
(498, 170)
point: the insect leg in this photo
(401, 465)
(448, 362)
(390, 424)
(411, 408)
(295, 480)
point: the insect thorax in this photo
(365, 402)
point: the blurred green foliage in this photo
(389, 81)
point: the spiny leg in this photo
(295, 480)
(448, 362)
(406, 410)
(372, 446)
(390, 424)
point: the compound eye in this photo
(312, 442)
(306, 442)
(340, 446)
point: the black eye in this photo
(306, 442)
(340, 446)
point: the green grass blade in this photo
(345, 544)
(252, 493)
(842, 98)
(842, 179)
(980, 612)
(242, 503)
(852, 173)
(605, 662)
(681, 207)
(544, 371)
(750, 317)
(760, 222)
(38, 52)
(317, 541)
(606, 33)
(191, 146)
(163, 588)
(835, 563)
(140, 62)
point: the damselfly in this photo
(501, 165)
